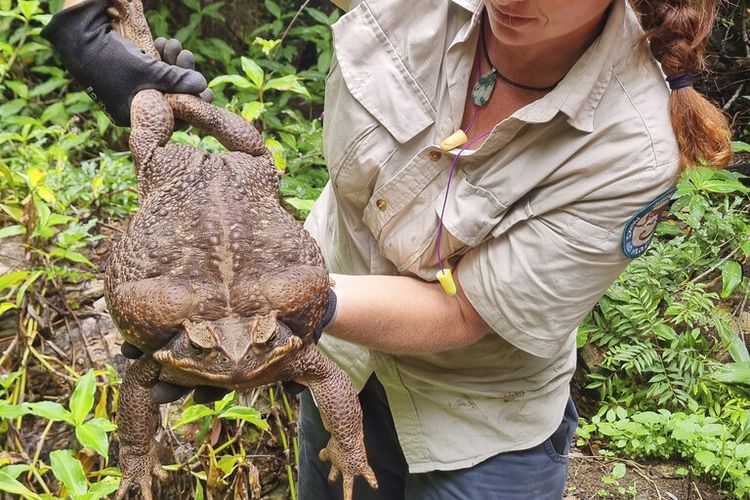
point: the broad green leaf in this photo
(224, 402)
(12, 279)
(236, 80)
(35, 176)
(742, 450)
(199, 490)
(254, 72)
(69, 471)
(82, 399)
(15, 230)
(731, 277)
(11, 411)
(734, 373)
(6, 306)
(273, 8)
(227, 463)
(250, 415)
(618, 471)
(277, 151)
(300, 204)
(252, 110)
(21, 293)
(12, 486)
(15, 213)
(193, 413)
(93, 436)
(46, 194)
(288, 83)
(28, 8)
(51, 411)
(103, 488)
(96, 185)
(71, 256)
(740, 147)
(16, 470)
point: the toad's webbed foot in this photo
(348, 463)
(139, 469)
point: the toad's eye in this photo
(197, 350)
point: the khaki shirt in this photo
(536, 215)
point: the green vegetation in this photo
(669, 339)
(670, 367)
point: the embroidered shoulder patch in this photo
(641, 227)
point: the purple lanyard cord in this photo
(450, 177)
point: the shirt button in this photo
(380, 204)
(435, 155)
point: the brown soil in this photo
(588, 479)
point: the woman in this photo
(520, 150)
(570, 147)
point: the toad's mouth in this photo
(217, 369)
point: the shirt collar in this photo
(580, 91)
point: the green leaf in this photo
(300, 204)
(734, 373)
(11, 411)
(103, 488)
(82, 399)
(742, 450)
(12, 486)
(618, 471)
(224, 402)
(740, 147)
(70, 255)
(236, 80)
(731, 277)
(12, 279)
(252, 110)
(254, 72)
(288, 83)
(273, 8)
(14, 230)
(247, 414)
(51, 411)
(277, 151)
(69, 471)
(93, 436)
(28, 8)
(193, 413)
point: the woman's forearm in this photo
(399, 314)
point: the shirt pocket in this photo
(471, 212)
(373, 104)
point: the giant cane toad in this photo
(213, 280)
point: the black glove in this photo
(164, 392)
(111, 69)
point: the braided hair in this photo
(676, 32)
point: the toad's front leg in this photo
(341, 415)
(138, 421)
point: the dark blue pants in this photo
(538, 473)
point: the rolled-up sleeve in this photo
(535, 283)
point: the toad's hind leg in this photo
(233, 131)
(138, 420)
(341, 416)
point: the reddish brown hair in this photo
(676, 34)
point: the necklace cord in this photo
(502, 76)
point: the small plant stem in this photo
(39, 445)
(715, 266)
(40, 481)
(16, 51)
(288, 27)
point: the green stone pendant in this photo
(482, 90)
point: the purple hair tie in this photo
(680, 81)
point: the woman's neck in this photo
(545, 63)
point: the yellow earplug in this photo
(456, 139)
(445, 277)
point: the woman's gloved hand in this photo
(111, 69)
